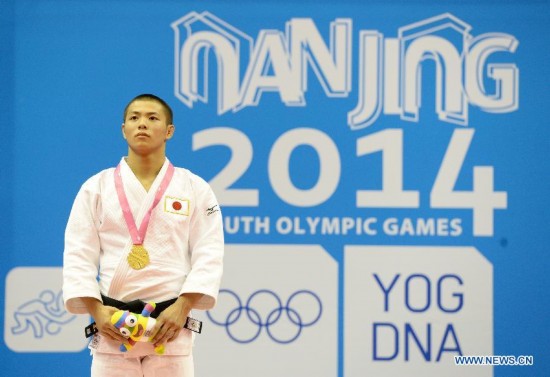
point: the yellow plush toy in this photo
(136, 327)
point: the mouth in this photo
(140, 331)
(142, 134)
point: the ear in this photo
(123, 131)
(170, 129)
(148, 309)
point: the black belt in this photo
(136, 306)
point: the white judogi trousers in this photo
(113, 365)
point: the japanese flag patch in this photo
(176, 205)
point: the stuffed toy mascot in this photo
(136, 327)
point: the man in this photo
(143, 231)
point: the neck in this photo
(145, 167)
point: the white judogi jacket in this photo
(184, 242)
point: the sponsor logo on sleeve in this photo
(213, 209)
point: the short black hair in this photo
(151, 97)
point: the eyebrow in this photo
(139, 112)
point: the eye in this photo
(153, 118)
(131, 320)
(133, 117)
(125, 332)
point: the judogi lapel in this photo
(140, 201)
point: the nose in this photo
(142, 124)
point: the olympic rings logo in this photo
(283, 323)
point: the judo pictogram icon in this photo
(42, 315)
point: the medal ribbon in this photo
(139, 236)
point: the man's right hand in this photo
(102, 317)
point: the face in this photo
(146, 127)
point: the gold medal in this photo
(138, 257)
